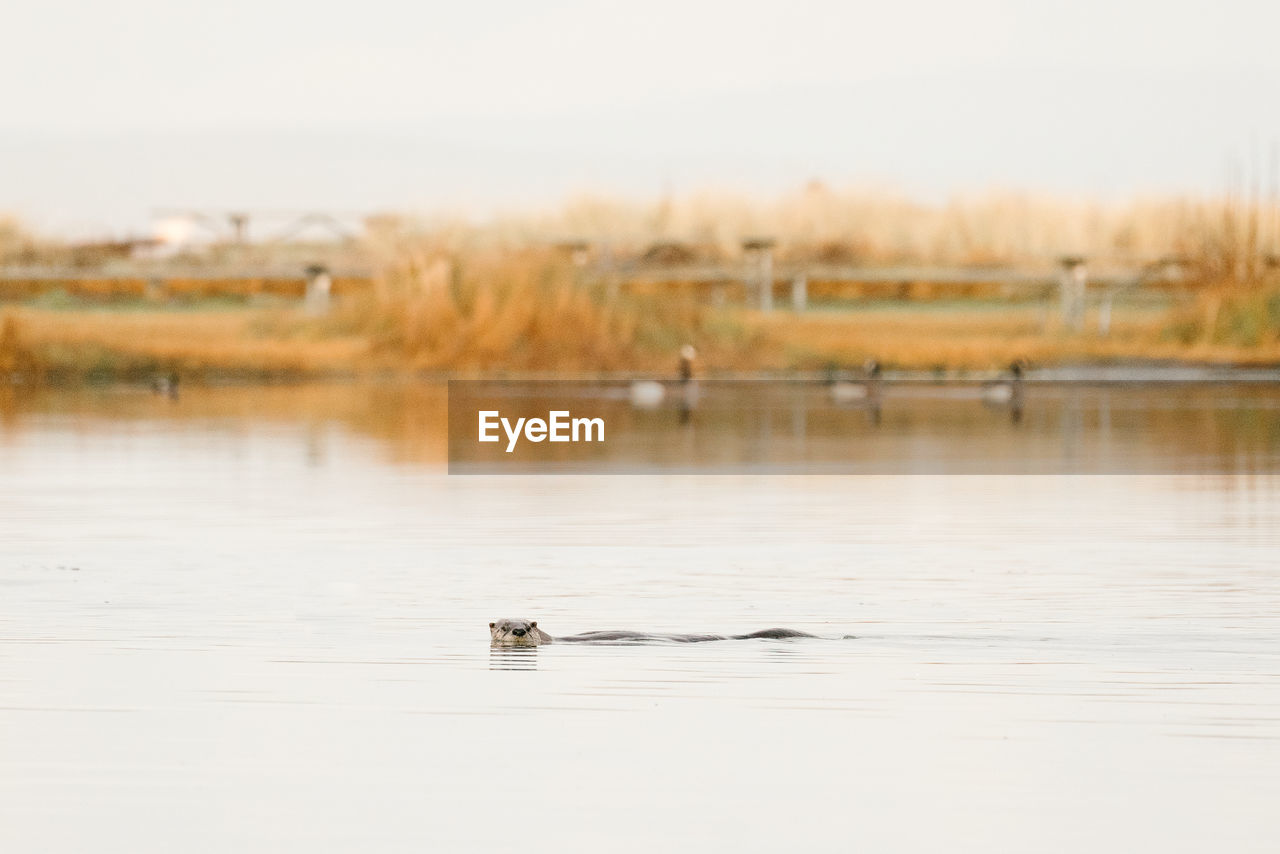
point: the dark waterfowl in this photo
(1005, 392)
(649, 394)
(846, 392)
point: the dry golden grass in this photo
(439, 309)
(572, 338)
(16, 356)
(457, 298)
(986, 340)
(1229, 315)
(429, 312)
(121, 290)
(516, 311)
(77, 344)
(1229, 234)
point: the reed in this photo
(1229, 315)
(1235, 230)
(401, 337)
(16, 242)
(17, 359)
(81, 345)
(453, 298)
(524, 310)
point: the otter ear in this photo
(534, 624)
(493, 625)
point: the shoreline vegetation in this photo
(446, 299)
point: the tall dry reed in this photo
(17, 359)
(1235, 231)
(437, 309)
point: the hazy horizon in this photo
(281, 105)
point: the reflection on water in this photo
(908, 428)
(408, 420)
(256, 619)
(513, 658)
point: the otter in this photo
(527, 633)
(518, 633)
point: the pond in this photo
(256, 619)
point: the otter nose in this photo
(518, 632)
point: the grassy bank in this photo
(543, 322)
(478, 300)
(468, 303)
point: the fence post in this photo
(799, 293)
(1072, 279)
(319, 284)
(1104, 314)
(760, 249)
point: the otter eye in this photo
(493, 625)
(534, 624)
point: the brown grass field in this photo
(458, 300)
(540, 322)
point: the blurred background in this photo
(292, 189)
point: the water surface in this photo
(255, 619)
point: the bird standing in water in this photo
(844, 391)
(1001, 393)
(649, 394)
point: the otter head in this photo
(517, 633)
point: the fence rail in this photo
(757, 271)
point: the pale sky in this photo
(113, 109)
